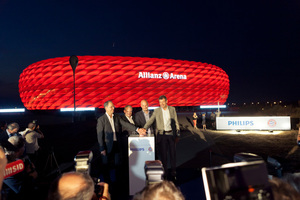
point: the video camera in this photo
(37, 126)
(15, 167)
(240, 180)
(82, 161)
(83, 165)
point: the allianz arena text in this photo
(48, 84)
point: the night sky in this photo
(256, 42)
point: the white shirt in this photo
(9, 134)
(147, 117)
(23, 132)
(111, 121)
(167, 119)
(130, 119)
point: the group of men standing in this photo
(31, 135)
(113, 131)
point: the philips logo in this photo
(240, 123)
(137, 149)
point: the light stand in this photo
(51, 164)
(74, 62)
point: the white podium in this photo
(140, 149)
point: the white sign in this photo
(164, 75)
(254, 123)
(140, 150)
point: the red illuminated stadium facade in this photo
(48, 84)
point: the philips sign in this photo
(137, 149)
(253, 123)
(164, 75)
(240, 123)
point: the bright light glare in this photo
(77, 109)
(12, 110)
(252, 132)
(152, 108)
(213, 106)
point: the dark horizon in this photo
(256, 43)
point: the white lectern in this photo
(140, 149)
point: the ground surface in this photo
(195, 149)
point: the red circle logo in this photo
(166, 75)
(272, 123)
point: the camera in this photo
(82, 161)
(82, 164)
(98, 188)
(35, 121)
(239, 180)
(154, 171)
(36, 124)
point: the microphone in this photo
(13, 168)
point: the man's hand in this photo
(103, 152)
(105, 194)
(141, 131)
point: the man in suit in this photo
(12, 129)
(126, 132)
(167, 129)
(129, 119)
(109, 137)
(141, 117)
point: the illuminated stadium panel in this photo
(48, 84)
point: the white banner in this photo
(140, 150)
(254, 123)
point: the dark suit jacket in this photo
(3, 136)
(140, 120)
(105, 132)
(125, 131)
(4, 141)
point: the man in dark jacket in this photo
(109, 130)
(141, 117)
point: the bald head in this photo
(144, 105)
(73, 185)
(31, 125)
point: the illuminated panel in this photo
(12, 110)
(48, 84)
